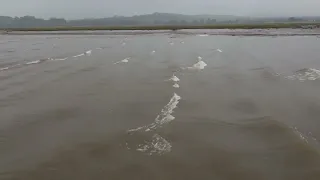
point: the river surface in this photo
(159, 107)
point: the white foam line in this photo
(79, 55)
(164, 117)
(88, 53)
(136, 129)
(219, 50)
(9, 67)
(202, 35)
(302, 136)
(123, 61)
(62, 59)
(171, 43)
(5, 68)
(153, 52)
(33, 62)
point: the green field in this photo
(170, 27)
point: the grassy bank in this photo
(169, 27)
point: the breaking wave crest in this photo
(164, 117)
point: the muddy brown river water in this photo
(163, 106)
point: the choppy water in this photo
(159, 106)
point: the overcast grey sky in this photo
(72, 9)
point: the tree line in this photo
(29, 21)
(142, 20)
(33, 22)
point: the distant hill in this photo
(142, 20)
(147, 19)
(182, 17)
(157, 18)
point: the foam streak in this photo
(164, 117)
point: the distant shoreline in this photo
(270, 29)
